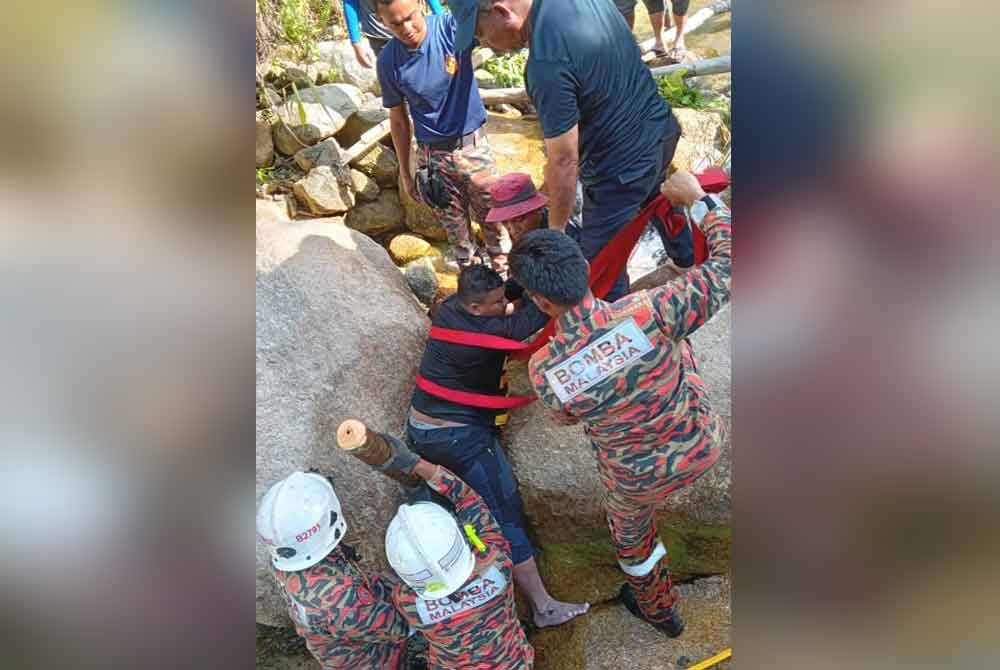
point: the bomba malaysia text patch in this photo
(479, 591)
(624, 343)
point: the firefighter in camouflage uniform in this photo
(627, 371)
(430, 91)
(344, 614)
(456, 574)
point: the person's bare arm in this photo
(560, 176)
(402, 133)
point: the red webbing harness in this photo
(604, 270)
(612, 259)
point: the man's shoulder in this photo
(449, 314)
(315, 586)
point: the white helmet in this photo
(300, 521)
(426, 549)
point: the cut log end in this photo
(351, 434)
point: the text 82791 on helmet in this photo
(300, 521)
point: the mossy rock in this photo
(580, 564)
(405, 248)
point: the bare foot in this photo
(557, 613)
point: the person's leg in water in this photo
(474, 454)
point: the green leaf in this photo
(298, 103)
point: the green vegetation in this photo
(508, 69)
(675, 90)
(303, 21)
(265, 174)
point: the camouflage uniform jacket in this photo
(627, 371)
(477, 627)
(345, 615)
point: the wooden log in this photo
(693, 22)
(370, 447)
(496, 96)
(696, 68)
(369, 139)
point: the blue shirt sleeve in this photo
(435, 6)
(553, 90)
(351, 16)
(392, 96)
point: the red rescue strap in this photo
(480, 400)
(612, 259)
(475, 339)
(604, 270)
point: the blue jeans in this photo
(609, 205)
(474, 454)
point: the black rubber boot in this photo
(672, 626)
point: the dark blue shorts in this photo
(475, 455)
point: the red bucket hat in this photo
(514, 195)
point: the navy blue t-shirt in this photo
(438, 85)
(585, 68)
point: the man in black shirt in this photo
(465, 438)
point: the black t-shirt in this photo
(466, 368)
(585, 68)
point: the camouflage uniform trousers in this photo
(631, 507)
(468, 173)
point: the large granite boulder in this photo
(370, 115)
(379, 163)
(422, 220)
(562, 493)
(327, 152)
(382, 215)
(325, 355)
(326, 190)
(314, 114)
(340, 56)
(703, 136)
(265, 145)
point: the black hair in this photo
(475, 281)
(550, 263)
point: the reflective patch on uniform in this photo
(298, 613)
(620, 346)
(476, 593)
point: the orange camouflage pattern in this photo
(467, 174)
(477, 628)
(627, 371)
(345, 615)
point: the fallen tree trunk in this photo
(497, 96)
(369, 139)
(693, 22)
